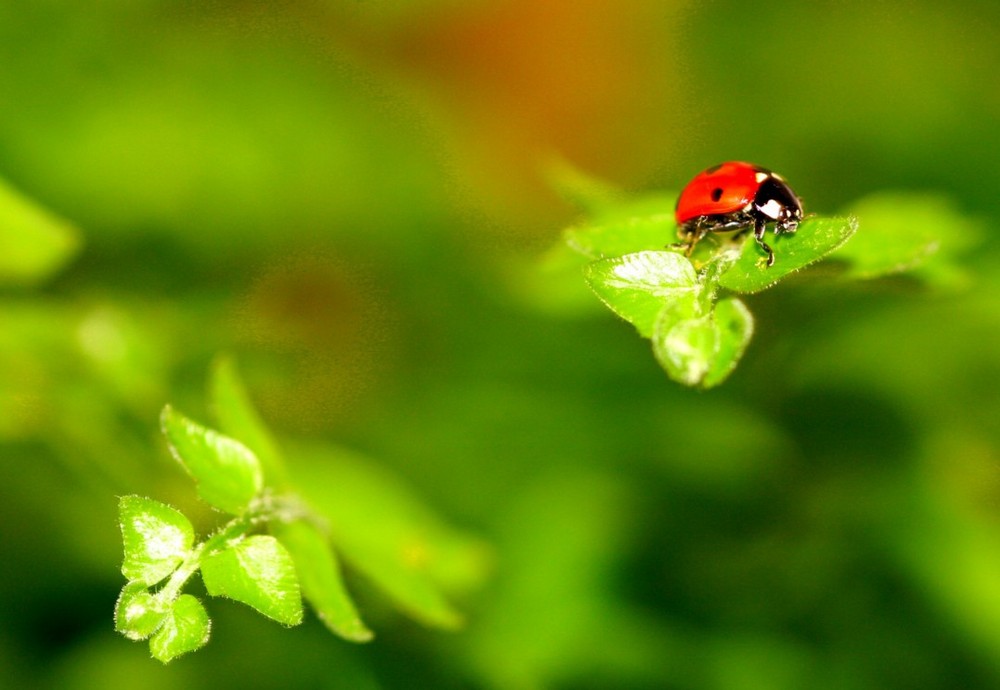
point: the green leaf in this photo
(257, 571)
(33, 243)
(702, 350)
(815, 238)
(228, 474)
(552, 284)
(156, 537)
(138, 612)
(238, 418)
(734, 328)
(647, 223)
(637, 286)
(589, 194)
(901, 232)
(319, 576)
(185, 629)
(387, 534)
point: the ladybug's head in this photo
(776, 201)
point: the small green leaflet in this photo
(322, 584)
(34, 244)
(228, 474)
(697, 340)
(388, 535)
(702, 350)
(156, 538)
(185, 629)
(907, 231)
(238, 418)
(815, 238)
(257, 571)
(138, 612)
(623, 235)
(637, 286)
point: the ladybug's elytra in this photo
(736, 195)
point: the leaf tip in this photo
(352, 631)
(166, 415)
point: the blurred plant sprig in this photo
(34, 243)
(380, 528)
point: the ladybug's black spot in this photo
(716, 193)
(713, 169)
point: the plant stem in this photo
(266, 508)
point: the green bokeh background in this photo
(350, 196)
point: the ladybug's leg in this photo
(684, 243)
(786, 225)
(690, 234)
(701, 229)
(759, 225)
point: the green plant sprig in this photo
(275, 550)
(235, 562)
(690, 307)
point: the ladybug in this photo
(736, 195)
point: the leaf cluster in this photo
(691, 307)
(275, 549)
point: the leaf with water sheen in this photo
(228, 473)
(259, 572)
(702, 350)
(734, 329)
(637, 286)
(815, 238)
(186, 628)
(320, 579)
(156, 539)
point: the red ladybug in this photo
(736, 195)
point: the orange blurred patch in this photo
(519, 81)
(327, 334)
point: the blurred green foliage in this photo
(350, 198)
